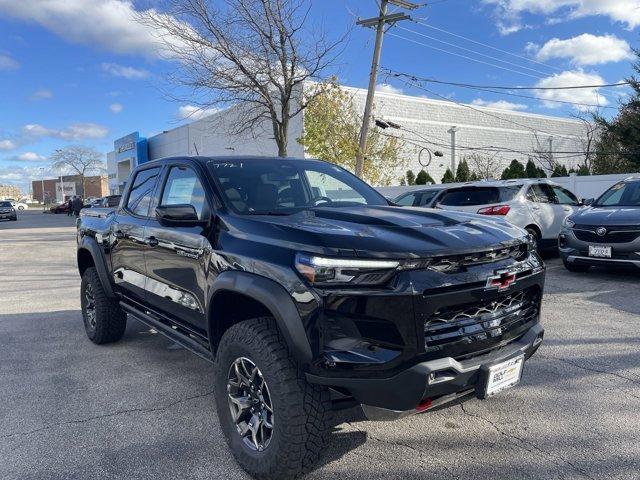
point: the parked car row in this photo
(587, 232)
(108, 201)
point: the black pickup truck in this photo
(310, 292)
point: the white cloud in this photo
(75, 131)
(509, 12)
(28, 157)
(587, 49)
(192, 112)
(106, 24)
(572, 78)
(499, 104)
(116, 107)
(387, 88)
(8, 63)
(41, 94)
(7, 145)
(129, 73)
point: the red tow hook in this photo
(424, 405)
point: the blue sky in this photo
(84, 72)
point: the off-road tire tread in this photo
(111, 320)
(307, 407)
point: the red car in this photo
(60, 208)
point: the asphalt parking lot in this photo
(143, 408)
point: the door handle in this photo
(152, 241)
(535, 208)
(118, 234)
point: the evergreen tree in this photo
(463, 174)
(514, 170)
(411, 178)
(448, 177)
(559, 171)
(423, 178)
(618, 146)
(532, 170)
(583, 171)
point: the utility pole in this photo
(453, 131)
(379, 22)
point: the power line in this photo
(473, 51)
(487, 45)
(391, 73)
(502, 87)
(464, 56)
(478, 110)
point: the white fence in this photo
(591, 186)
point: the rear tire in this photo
(104, 320)
(572, 267)
(300, 412)
(534, 233)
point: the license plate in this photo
(504, 375)
(597, 251)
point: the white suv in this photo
(538, 206)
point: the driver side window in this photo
(183, 187)
(329, 188)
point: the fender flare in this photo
(276, 299)
(90, 244)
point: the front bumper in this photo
(439, 380)
(575, 251)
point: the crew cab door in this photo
(127, 233)
(178, 256)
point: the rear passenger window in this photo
(141, 192)
(183, 187)
(538, 194)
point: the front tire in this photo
(277, 429)
(104, 320)
(572, 267)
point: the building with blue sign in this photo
(129, 152)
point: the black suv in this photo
(310, 293)
(607, 233)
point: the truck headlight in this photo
(568, 223)
(344, 271)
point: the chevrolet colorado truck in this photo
(310, 292)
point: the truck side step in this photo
(174, 332)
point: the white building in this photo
(424, 123)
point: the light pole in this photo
(453, 131)
(42, 186)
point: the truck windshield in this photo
(472, 196)
(623, 194)
(5, 204)
(282, 187)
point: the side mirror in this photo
(587, 201)
(183, 215)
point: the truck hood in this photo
(604, 216)
(377, 231)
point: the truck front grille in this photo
(483, 325)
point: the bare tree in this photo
(255, 54)
(592, 132)
(543, 153)
(484, 166)
(78, 160)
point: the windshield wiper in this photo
(268, 212)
